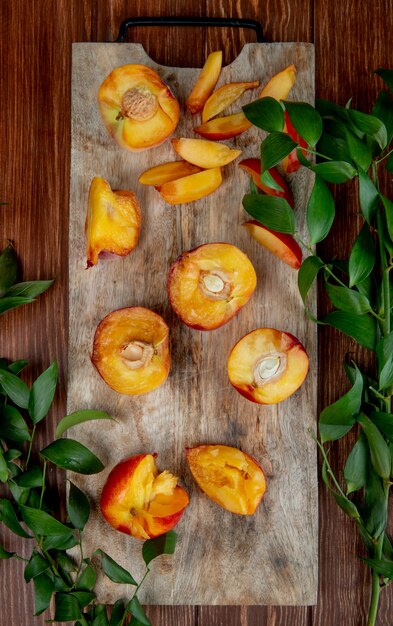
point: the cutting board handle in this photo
(233, 22)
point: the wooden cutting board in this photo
(221, 558)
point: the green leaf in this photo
(320, 211)
(78, 507)
(84, 597)
(66, 607)
(384, 422)
(379, 450)
(359, 152)
(115, 572)
(308, 273)
(17, 366)
(15, 389)
(60, 542)
(3, 468)
(78, 417)
(274, 149)
(327, 108)
(306, 121)
(334, 147)
(164, 544)
(138, 612)
(362, 257)
(267, 179)
(118, 612)
(31, 478)
(375, 505)
(386, 75)
(43, 589)
(348, 300)
(368, 196)
(370, 125)
(335, 171)
(355, 470)
(362, 328)
(384, 568)
(8, 268)
(65, 563)
(8, 517)
(4, 554)
(383, 110)
(385, 361)
(389, 164)
(346, 505)
(42, 393)
(265, 113)
(338, 418)
(72, 455)
(30, 289)
(41, 523)
(388, 206)
(87, 579)
(271, 211)
(12, 425)
(36, 566)
(101, 619)
(12, 302)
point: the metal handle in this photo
(233, 22)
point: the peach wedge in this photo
(166, 172)
(283, 246)
(138, 109)
(203, 153)
(253, 168)
(190, 188)
(224, 97)
(205, 83)
(267, 365)
(139, 501)
(207, 286)
(113, 221)
(130, 350)
(230, 477)
(291, 163)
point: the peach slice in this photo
(291, 163)
(224, 97)
(205, 83)
(166, 172)
(130, 350)
(253, 168)
(203, 153)
(190, 188)
(278, 87)
(139, 501)
(113, 221)
(230, 477)
(283, 246)
(138, 109)
(207, 286)
(267, 365)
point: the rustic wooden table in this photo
(351, 39)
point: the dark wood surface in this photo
(351, 39)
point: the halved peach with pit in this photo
(130, 350)
(230, 477)
(203, 153)
(267, 365)
(208, 286)
(166, 172)
(137, 107)
(190, 188)
(283, 246)
(205, 83)
(224, 97)
(113, 221)
(253, 168)
(139, 501)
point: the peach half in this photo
(253, 168)
(267, 365)
(137, 107)
(190, 188)
(207, 286)
(113, 221)
(139, 501)
(283, 246)
(205, 83)
(224, 97)
(203, 153)
(230, 477)
(166, 172)
(130, 350)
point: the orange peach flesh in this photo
(291, 163)
(113, 221)
(203, 153)
(267, 365)
(139, 501)
(130, 350)
(283, 246)
(207, 286)
(280, 84)
(231, 478)
(166, 172)
(190, 188)
(205, 83)
(224, 97)
(138, 109)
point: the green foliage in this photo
(271, 211)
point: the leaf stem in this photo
(384, 157)
(332, 274)
(30, 445)
(317, 154)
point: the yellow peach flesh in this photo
(205, 83)
(203, 153)
(224, 97)
(166, 172)
(190, 188)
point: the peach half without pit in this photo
(130, 350)
(230, 477)
(113, 221)
(139, 501)
(137, 107)
(207, 286)
(267, 365)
